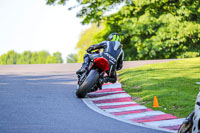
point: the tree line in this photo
(28, 57)
(149, 29)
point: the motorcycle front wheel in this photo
(185, 128)
(87, 85)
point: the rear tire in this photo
(87, 85)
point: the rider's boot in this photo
(106, 79)
(82, 69)
(84, 66)
(102, 81)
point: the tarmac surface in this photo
(41, 99)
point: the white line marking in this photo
(117, 103)
(165, 122)
(125, 109)
(143, 114)
(102, 93)
(115, 85)
(111, 96)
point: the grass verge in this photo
(174, 84)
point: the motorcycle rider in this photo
(112, 51)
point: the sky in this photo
(33, 25)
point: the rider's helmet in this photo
(114, 37)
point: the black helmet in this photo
(114, 37)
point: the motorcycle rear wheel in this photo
(87, 85)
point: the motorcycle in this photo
(192, 122)
(90, 80)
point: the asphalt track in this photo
(41, 99)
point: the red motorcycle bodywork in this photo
(101, 63)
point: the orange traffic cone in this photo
(155, 102)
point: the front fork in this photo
(81, 77)
(186, 126)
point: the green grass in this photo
(174, 84)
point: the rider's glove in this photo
(90, 49)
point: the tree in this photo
(58, 57)
(157, 29)
(88, 37)
(34, 58)
(3, 59)
(149, 29)
(51, 60)
(28, 57)
(9, 58)
(91, 10)
(72, 58)
(42, 57)
(25, 58)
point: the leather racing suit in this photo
(113, 52)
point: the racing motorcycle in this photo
(192, 122)
(91, 80)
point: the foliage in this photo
(189, 55)
(24, 58)
(150, 29)
(50, 60)
(34, 58)
(91, 10)
(28, 57)
(163, 37)
(58, 57)
(174, 83)
(42, 57)
(72, 58)
(157, 29)
(9, 58)
(88, 37)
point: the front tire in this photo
(185, 128)
(87, 85)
